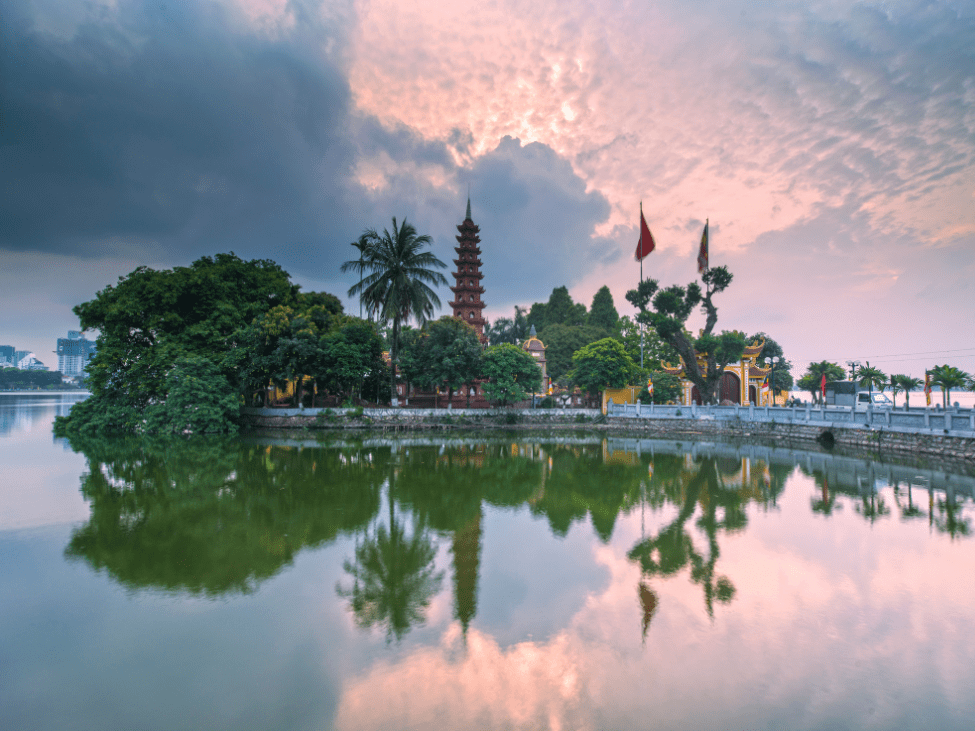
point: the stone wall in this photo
(415, 419)
(853, 436)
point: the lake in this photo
(488, 581)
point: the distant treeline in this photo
(14, 379)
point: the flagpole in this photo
(641, 279)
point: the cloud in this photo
(168, 129)
(161, 132)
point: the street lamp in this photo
(854, 364)
(773, 360)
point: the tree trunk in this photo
(392, 362)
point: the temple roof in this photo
(533, 343)
(755, 348)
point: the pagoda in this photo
(467, 303)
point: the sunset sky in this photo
(831, 145)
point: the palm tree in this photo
(358, 265)
(901, 382)
(816, 371)
(397, 284)
(872, 378)
(948, 377)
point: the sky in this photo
(830, 145)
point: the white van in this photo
(879, 400)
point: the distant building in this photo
(7, 356)
(29, 362)
(19, 355)
(74, 352)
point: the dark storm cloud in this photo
(166, 128)
(165, 132)
(535, 215)
(537, 221)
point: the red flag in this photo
(646, 244)
(702, 257)
(822, 385)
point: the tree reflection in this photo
(672, 549)
(213, 516)
(393, 575)
(826, 503)
(950, 519)
(910, 510)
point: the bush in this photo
(199, 401)
(581, 418)
(511, 417)
(547, 403)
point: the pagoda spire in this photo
(467, 303)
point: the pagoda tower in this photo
(467, 303)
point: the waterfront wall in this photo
(352, 418)
(931, 432)
(928, 437)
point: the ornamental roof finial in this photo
(468, 205)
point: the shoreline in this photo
(848, 437)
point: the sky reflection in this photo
(570, 585)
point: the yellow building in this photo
(536, 349)
(741, 382)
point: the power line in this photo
(925, 352)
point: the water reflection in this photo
(213, 516)
(216, 517)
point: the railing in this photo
(953, 421)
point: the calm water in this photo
(496, 582)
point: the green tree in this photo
(562, 342)
(508, 330)
(199, 401)
(947, 377)
(812, 381)
(782, 369)
(150, 319)
(603, 364)
(398, 284)
(347, 355)
(447, 355)
(905, 383)
(671, 308)
(559, 310)
(358, 265)
(666, 388)
(655, 350)
(602, 314)
(512, 374)
(872, 378)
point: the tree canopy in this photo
(603, 364)
(602, 314)
(397, 286)
(511, 372)
(151, 319)
(559, 310)
(670, 309)
(446, 355)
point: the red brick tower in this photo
(467, 303)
